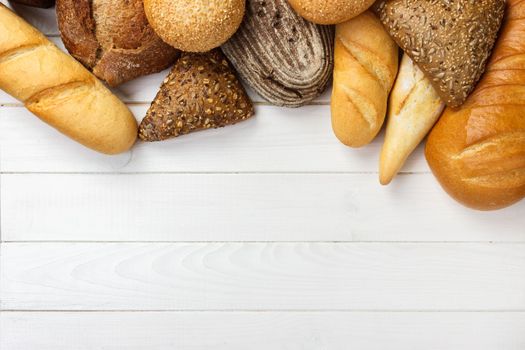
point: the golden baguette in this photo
(413, 109)
(59, 90)
(366, 63)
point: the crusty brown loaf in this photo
(366, 63)
(112, 38)
(478, 152)
(60, 90)
(450, 41)
(36, 3)
(330, 11)
(195, 25)
(201, 92)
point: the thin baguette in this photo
(414, 107)
(59, 90)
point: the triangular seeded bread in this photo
(201, 92)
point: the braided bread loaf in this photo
(478, 151)
(366, 63)
(60, 90)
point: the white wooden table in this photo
(265, 235)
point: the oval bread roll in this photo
(366, 63)
(60, 90)
(477, 152)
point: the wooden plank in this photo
(262, 331)
(242, 207)
(263, 276)
(275, 140)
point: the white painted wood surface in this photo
(265, 235)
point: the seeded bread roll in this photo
(59, 90)
(450, 41)
(201, 92)
(195, 25)
(477, 152)
(36, 3)
(112, 38)
(330, 11)
(366, 62)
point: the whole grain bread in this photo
(112, 38)
(201, 92)
(285, 58)
(450, 41)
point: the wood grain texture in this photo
(275, 140)
(262, 276)
(262, 331)
(242, 207)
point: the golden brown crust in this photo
(201, 92)
(450, 41)
(478, 152)
(60, 90)
(113, 39)
(330, 11)
(366, 64)
(195, 25)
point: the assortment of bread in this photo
(453, 54)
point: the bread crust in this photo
(366, 65)
(195, 25)
(478, 151)
(330, 11)
(59, 90)
(285, 59)
(113, 39)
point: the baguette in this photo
(59, 90)
(366, 63)
(413, 109)
(478, 152)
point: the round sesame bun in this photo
(330, 11)
(195, 25)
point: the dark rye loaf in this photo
(112, 38)
(286, 59)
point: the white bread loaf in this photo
(413, 109)
(366, 64)
(59, 90)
